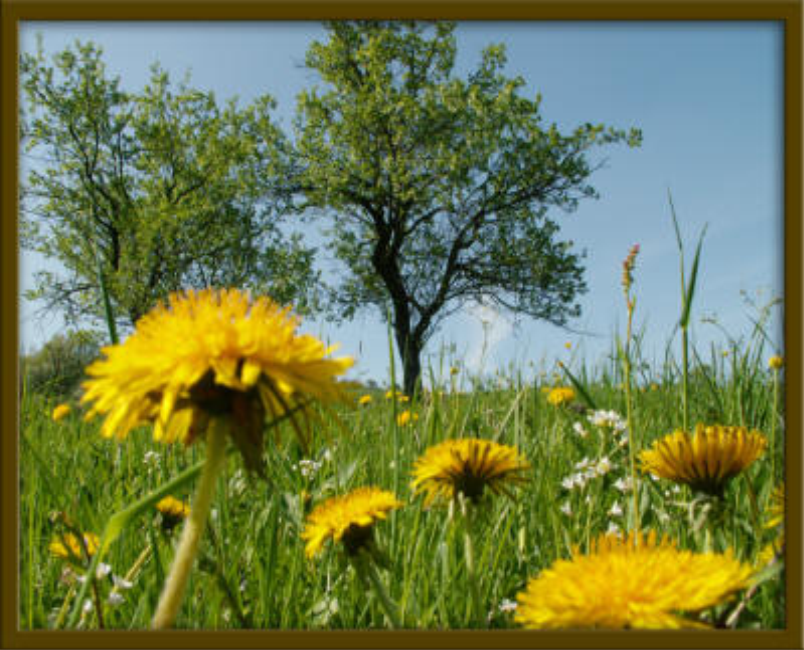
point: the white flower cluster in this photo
(608, 420)
(507, 605)
(585, 471)
(308, 467)
(611, 421)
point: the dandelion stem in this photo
(685, 390)
(774, 413)
(368, 573)
(471, 568)
(179, 574)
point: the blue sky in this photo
(707, 96)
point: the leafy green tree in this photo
(159, 190)
(437, 188)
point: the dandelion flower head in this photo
(775, 362)
(348, 519)
(406, 417)
(69, 547)
(467, 466)
(630, 582)
(705, 460)
(60, 412)
(173, 511)
(365, 399)
(775, 508)
(211, 353)
(560, 395)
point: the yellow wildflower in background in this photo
(69, 547)
(173, 511)
(568, 345)
(560, 395)
(775, 508)
(775, 362)
(405, 418)
(706, 460)
(454, 370)
(631, 582)
(212, 353)
(365, 399)
(348, 519)
(467, 466)
(60, 412)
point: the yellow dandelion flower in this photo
(467, 466)
(560, 395)
(402, 399)
(60, 412)
(212, 353)
(349, 519)
(568, 345)
(406, 417)
(706, 460)
(454, 370)
(365, 399)
(173, 511)
(775, 509)
(654, 386)
(769, 552)
(775, 362)
(69, 547)
(631, 582)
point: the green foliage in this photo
(166, 187)
(254, 573)
(56, 370)
(437, 187)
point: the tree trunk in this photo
(412, 368)
(410, 350)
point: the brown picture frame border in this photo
(789, 13)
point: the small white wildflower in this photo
(507, 606)
(603, 466)
(569, 482)
(87, 607)
(608, 420)
(308, 468)
(102, 571)
(115, 599)
(676, 489)
(566, 508)
(583, 464)
(150, 458)
(327, 455)
(581, 480)
(613, 529)
(121, 583)
(578, 428)
(623, 485)
(615, 510)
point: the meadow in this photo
(252, 571)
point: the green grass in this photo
(253, 572)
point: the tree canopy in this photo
(159, 190)
(439, 190)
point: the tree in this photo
(437, 188)
(158, 190)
